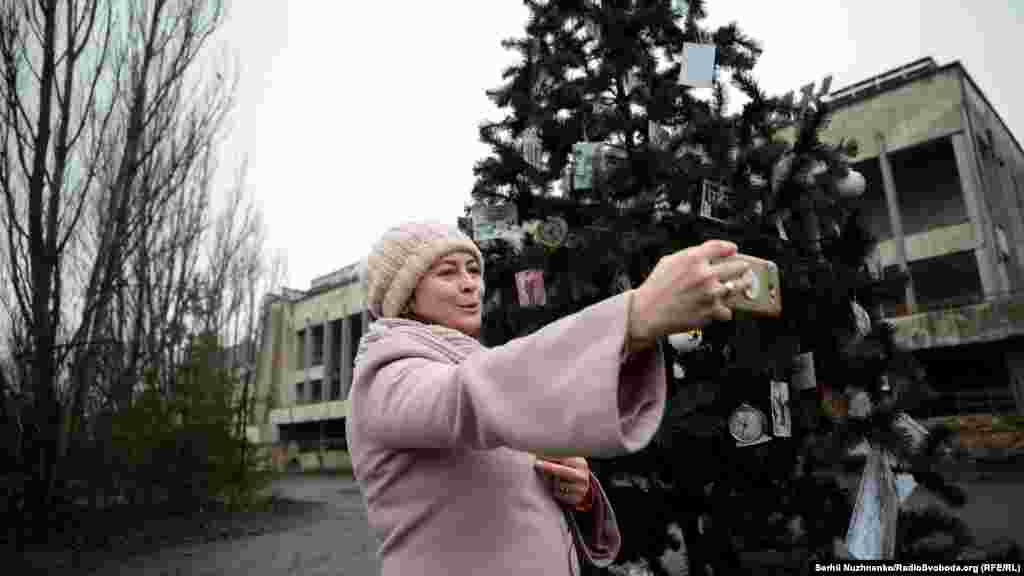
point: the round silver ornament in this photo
(852, 186)
(747, 424)
(552, 232)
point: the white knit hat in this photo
(402, 256)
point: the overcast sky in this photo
(357, 115)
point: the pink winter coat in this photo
(443, 451)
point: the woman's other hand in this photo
(570, 480)
(685, 291)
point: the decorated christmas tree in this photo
(617, 149)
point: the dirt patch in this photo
(86, 540)
(988, 432)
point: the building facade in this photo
(309, 342)
(945, 199)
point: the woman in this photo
(445, 434)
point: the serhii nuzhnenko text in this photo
(851, 567)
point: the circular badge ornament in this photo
(747, 424)
(552, 232)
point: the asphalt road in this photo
(337, 541)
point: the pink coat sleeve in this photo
(562, 390)
(596, 533)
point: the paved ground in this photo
(335, 541)
(994, 509)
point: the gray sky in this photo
(356, 116)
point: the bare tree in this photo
(103, 132)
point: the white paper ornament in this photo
(698, 68)
(872, 531)
(681, 8)
(781, 419)
(684, 342)
(531, 148)
(583, 165)
(852, 186)
(492, 222)
(657, 135)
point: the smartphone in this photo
(764, 296)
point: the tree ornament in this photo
(781, 418)
(716, 201)
(861, 318)
(583, 165)
(491, 222)
(531, 148)
(680, 9)
(852, 186)
(872, 530)
(552, 232)
(685, 342)
(530, 287)
(662, 206)
(747, 425)
(698, 69)
(657, 136)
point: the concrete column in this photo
(970, 183)
(346, 355)
(1015, 369)
(1015, 231)
(307, 363)
(895, 219)
(329, 359)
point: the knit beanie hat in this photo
(402, 256)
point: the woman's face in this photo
(451, 294)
